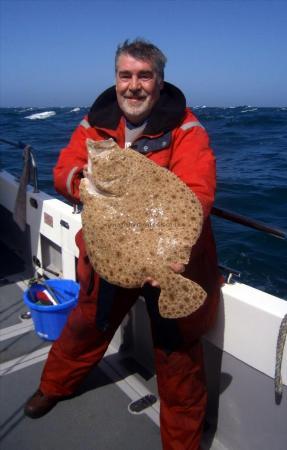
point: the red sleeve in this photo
(193, 162)
(69, 167)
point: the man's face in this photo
(137, 86)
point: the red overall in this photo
(183, 147)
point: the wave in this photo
(42, 115)
(249, 110)
(75, 109)
(25, 110)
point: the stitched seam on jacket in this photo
(186, 126)
(85, 124)
(69, 180)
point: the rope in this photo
(279, 355)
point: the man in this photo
(150, 115)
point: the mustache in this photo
(137, 96)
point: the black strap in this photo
(165, 331)
(106, 296)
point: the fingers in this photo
(177, 267)
(151, 281)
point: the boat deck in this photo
(97, 417)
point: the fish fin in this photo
(179, 296)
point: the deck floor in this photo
(97, 416)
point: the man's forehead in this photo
(129, 63)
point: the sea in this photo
(250, 145)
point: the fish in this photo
(137, 219)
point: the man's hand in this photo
(176, 267)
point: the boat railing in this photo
(248, 222)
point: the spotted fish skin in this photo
(137, 219)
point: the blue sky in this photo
(220, 52)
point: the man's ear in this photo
(161, 85)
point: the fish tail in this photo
(179, 296)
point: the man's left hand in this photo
(176, 267)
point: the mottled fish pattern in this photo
(137, 219)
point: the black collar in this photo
(166, 114)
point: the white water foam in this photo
(42, 115)
(249, 110)
(26, 109)
(75, 109)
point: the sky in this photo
(220, 52)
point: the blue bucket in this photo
(50, 320)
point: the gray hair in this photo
(143, 50)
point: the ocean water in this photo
(250, 145)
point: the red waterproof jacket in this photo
(172, 138)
